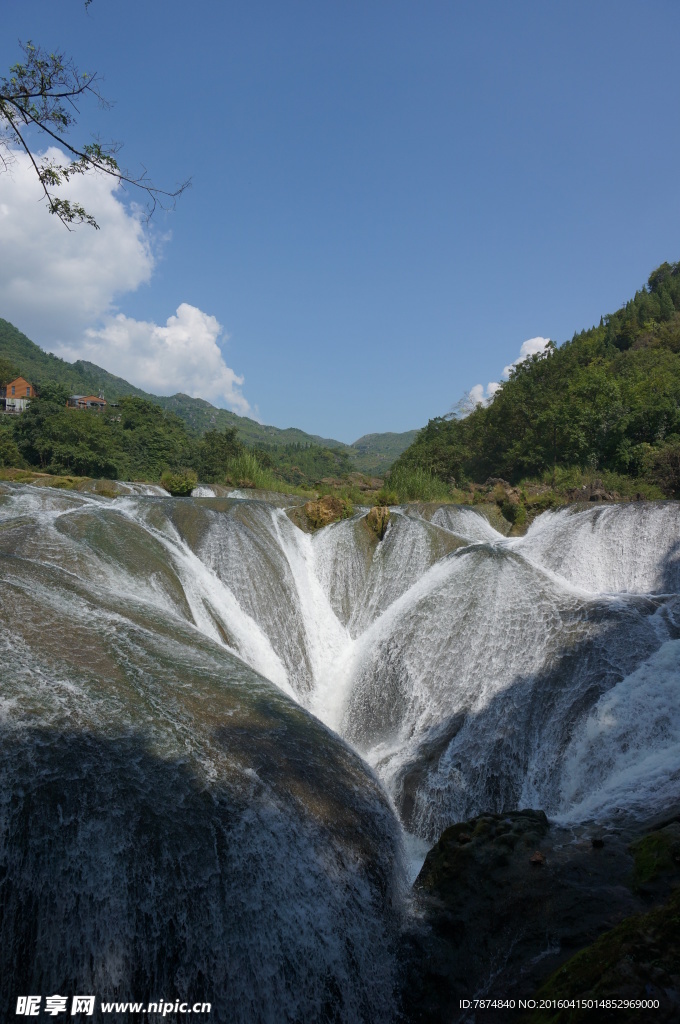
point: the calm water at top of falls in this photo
(268, 699)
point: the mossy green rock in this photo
(468, 853)
(377, 519)
(326, 510)
(637, 960)
(507, 899)
(657, 856)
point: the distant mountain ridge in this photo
(375, 453)
(372, 453)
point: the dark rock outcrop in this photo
(595, 491)
(637, 960)
(503, 901)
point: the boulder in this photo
(377, 519)
(326, 510)
(506, 900)
(637, 960)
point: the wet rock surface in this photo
(171, 820)
(504, 901)
(637, 960)
(157, 646)
(377, 519)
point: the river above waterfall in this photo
(198, 683)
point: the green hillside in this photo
(371, 454)
(84, 377)
(375, 453)
(200, 416)
(606, 402)
(27, 358)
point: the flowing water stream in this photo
(473, 671)
(213, 723)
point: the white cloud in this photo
(480, 394)
(61, 288)
(55, 283)
(182, 356)
(534, 346)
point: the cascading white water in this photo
(462, 664)
(627, 752)
(171, 823)
(612, 549)
(473, 671)
(146, 490)
(465, 522)
(469, 661)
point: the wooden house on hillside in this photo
(97, 402)
(16, 395)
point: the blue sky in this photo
(388, 198)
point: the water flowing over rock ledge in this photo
(174, 812)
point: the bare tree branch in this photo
(42, 93)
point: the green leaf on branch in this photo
(42, 94)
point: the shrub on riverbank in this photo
(179, 482)
(413, 483)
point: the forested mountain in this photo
(373, 453)
(18, 354)
(609, 399)
(83, 377)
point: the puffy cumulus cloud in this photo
(482, 394)
(532, 347)
(184, 355)
(60, 287)
(54, 283)
(478, 394)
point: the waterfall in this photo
(172, 822)
(269, 698)
(627, 752)
(618, 549)
(461, 663)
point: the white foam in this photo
(632, 548)
(142, 489)
(212, 603)
(466, 523)
(626, 754)
(512, 672)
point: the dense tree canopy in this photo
(300, 463)
(607, 399)
(214, 453)
(135, 439)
